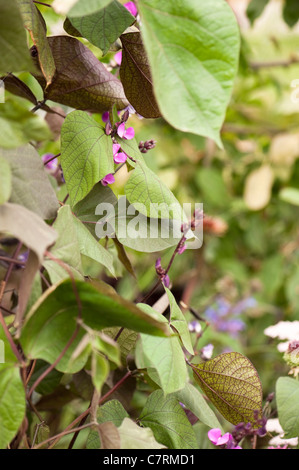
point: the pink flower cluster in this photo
(227, 440)
(118, 155)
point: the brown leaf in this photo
(135, 75)
(81, 81)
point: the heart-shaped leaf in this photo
(168, 421)
(102, 28)
(193, 51)
(81, 81)
(135, 75)
(86, 154)
(232, 384)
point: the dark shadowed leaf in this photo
(232, 384)
(291, 12)
(136, 76)
(102, 28)
(81, 81)
(255, 9)
(35, 24)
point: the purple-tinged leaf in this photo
(81, 81)
(136, 77)
(232, 384)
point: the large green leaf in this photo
(35, 24)
(15, 56)
(31, 187)
(52, 320)
(287, 398)
(86, 154)
(81, 80)
(12, 393)
(193, 50)
(162, 357)
(102, 28)
(232, 384)
(168, 421)
(151, 196)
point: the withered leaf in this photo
(135, 75)
(81, 81)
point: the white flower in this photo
(288, 330)
(273, 426)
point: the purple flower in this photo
(182, 249)
(166, 280)
(124, 133)
(53, 162)
(131, 7)
(118, 156)
(108, 179)
(215, 436)
(105, 116)
(118, 57)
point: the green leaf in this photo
(35, 24)
(195, 402)
(90, 247)
(150, 196)
(66, 249)
(164, 355)
(99, 370)
(287, 399)
(31, 187)
(291, 12)
(178, 322)
(211, 185)
(193, 51)
(5, 180)
(168, 421)
(81, 80)
(232, 384)
(86, 154)
(18, 125)
(87, 7)
(290, 195)
(135, 75)
(12, 393)
(103, 27)
(255, 9)
(52, 320)
(133, 436)
(15, 56)
(113, 412)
